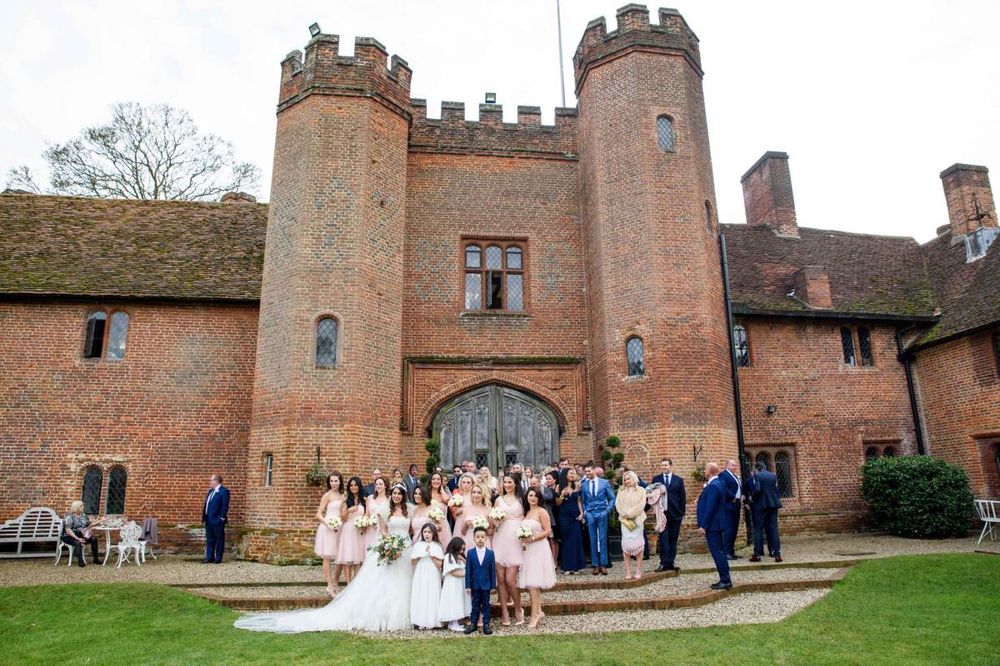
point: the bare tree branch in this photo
(21, 178)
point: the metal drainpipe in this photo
(904, 358)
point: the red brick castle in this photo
(518, 291)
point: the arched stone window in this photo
(93, 479)
(741, 343)
(326, 342)
(494, 276)
(665, 133)
(865, 346)
(889, 452)
(763, 457)
(636, 357)
(117, 482)
(93, 347)
(783, 470)
(118, 336)
(872, 452)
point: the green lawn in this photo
(934, 609)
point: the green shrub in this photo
(917, 496)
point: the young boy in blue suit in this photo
(480, 580)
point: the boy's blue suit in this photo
(712, 518)
(598, 501)
(480, 579)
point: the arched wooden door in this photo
(496, 426)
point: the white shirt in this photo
(210, 496)
(481, 553)
(739, 486)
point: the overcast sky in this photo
(872, 100)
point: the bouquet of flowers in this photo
(497, 514)
(363, 522)
(479, 521)
(435, 514)
(334, 523)
(523, 533)
(389, 548)
(456, 500)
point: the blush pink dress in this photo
(327, 541)
(506, 546)
(373, 532)
(470, 511)
(538, 571)
(351, 549)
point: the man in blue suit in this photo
(734, 502)
(480, 580)
(765, 500)
(674, 504)
(214, 515)
(712, 523)
(598, 500)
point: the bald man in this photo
(712, 523)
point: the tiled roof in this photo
(968, 294)
(112, 247)
(869, 275)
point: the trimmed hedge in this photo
(918, 496)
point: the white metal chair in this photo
(989, 513)
(63, 545)
(128, 543)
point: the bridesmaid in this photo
(464, 489)
(507, 549)
(438, 494)
(421, 505)
(569, 516)
(379, 498)
(477, 505)
(351, 551)
(327, 539)
(538, 571)
(631, 505)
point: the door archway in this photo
(495, 426)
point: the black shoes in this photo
(722, 586)
(660, 568)
(471, 629)
(733, 557)
(487, 631)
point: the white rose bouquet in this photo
(456, 500)
(363, 522)
(497, 514)
(524, 533)
(479, 521)
(334, 523)
(435, 514)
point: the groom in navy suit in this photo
(480, 580)
(712, 522)
(214, 515)
(765, 502)
(598, 500)
(674, 504)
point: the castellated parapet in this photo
(635, 33)
(365, 74)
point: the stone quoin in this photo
(518, 291)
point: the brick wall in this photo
(174, 411)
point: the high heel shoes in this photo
(536, 621)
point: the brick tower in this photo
(334, 250)
(651, 244)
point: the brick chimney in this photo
(767, 194)
(970, 198)
(812, 287)
(238, 197)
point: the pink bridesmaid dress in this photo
(444, 529)
(538, 571)
(351, 549)
(328, 541)
(469, 534)
(506, 546)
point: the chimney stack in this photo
(767, 194)
(812, 287)
(970, 198)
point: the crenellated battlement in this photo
(368, 73)
(452, 133)
(635, 33)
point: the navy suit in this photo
(480, 580)
(732, 486)
(214, 513)
(676, 506)
(597, 504)
(712, 518)
(765, 501)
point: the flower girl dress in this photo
(426, 591)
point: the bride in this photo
(377, 599)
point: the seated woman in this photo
(76, 531)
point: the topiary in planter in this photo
(917, 496)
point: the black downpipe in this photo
(905, 357)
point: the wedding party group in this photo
(429, 555)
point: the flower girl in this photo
(455, 603)
(426, 590)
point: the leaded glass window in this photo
(635, 355)
(871, 453)
(742, 346)
(93, 479)
(482, 460)
(510, 459)
(117, 481)
(117, 336)
(473, 291)
(996, 350)
(763, 457)
(93, 347)
(473, 257)
(783, 470)
(865, 346)
(268, 469)
(889, 452)
(515, 292)
(494, 277)
(326, 343)
(847, 342)
(514, 258)
(665, 133)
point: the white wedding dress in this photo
(378, 598)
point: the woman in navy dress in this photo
(569, 515)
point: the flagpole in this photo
(562, 76)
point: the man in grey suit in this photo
(765, 500)
(411, 481)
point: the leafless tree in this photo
(153, 152)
